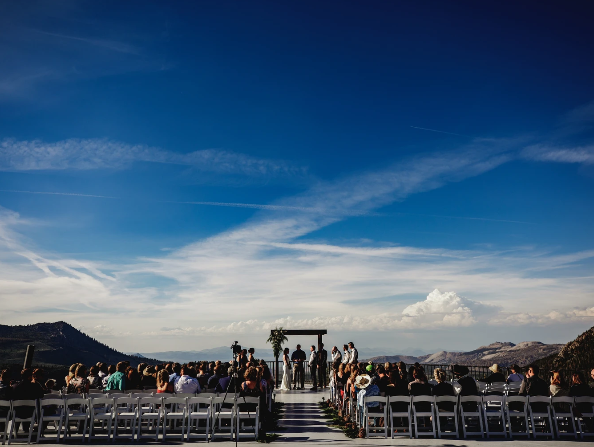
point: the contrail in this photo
(251, 205)
(441, 131)
(58, 193)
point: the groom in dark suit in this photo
(322, 365)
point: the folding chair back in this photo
(125, 410)
(5, 416)
(50, 410)
(516, 407)
(369, 412)
(496, 388)
(174, 410)
(76, 410)
(423, 407)
(23, 411)
(223, 410)
(446, 407)
(400, 410)
(563, 418)
(248, 408)
(585, 405)
(101, 409)
(470, 413)
(494, 414)
(539, 409)
(150, 410)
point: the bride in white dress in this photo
(286, 383)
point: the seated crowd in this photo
(253, 379)
(394, 379)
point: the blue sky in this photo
(222, 168)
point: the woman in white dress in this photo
(286, 383)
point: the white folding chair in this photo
(540, 418)
(76, 410)
(174, 409)
(223, 416)
(513, 388)
(446, 407)
(247, 417)
(101, 409)
(585, 405)
(482, 386)
(5, 417)
(563, 418)
(494, 414)
(199, 409)
(131, 392)
(471, 411)
(400, 401)
(432, 382)
(139, 395)
(150, 410)
(517, 408)
(23, 412)
(426, 414)
(496, 388)
(125, 411)
(50, 410)
(380, 411)
(97, 395)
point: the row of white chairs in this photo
(486, 415)
(118, 417)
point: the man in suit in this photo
(322, 366)
(298, 357)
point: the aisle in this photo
(302, 419)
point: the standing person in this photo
(347, 355)
(354, 357)
(250, 356)
(298, 357)
(313, 367)
(336, 355)
(286, 383)
(322, 366)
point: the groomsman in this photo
(354, 357)
(322, 366)
(347, 356)
(313, 366)
(336, 355)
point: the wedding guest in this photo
(466, 382)
(94, 379)
(335, 354)
(515, 375)
(420, 387)
(443, 388)
(133, 380)
(25, 390)
(495, 376)
(71, 372)
(187, 383)
(38, 379)
(110, 370)
(532, 385)
(213, 381)
(79, 384)
(402, 370)
(148, 381)
(50, 385)
(354, 356)
(102, 371)
(382, 379)
(5, 388)
(176, 372)
(579, 388)
(141, 368)
(556, 388)
(117, 380)
(226, 384)
(163, 383)
(347, 355)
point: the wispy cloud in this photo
(441, 131)
(112, 45)
(544, 152)
(79, 154)
(57, 193)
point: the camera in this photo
(236, 348)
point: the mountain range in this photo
(57, 344)
(502, 353)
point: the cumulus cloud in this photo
(554, 317)
(86, 154)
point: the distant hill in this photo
(221, 353)
(57, 344)
(577, 355)
(503, 353)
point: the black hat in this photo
(460, 370)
